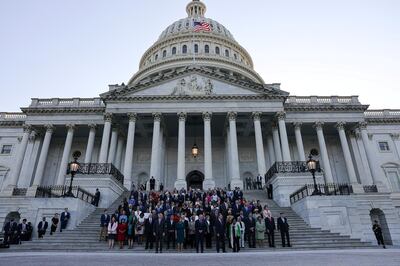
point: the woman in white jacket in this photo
(112, 232)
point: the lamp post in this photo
(73, 169)
(312, 166)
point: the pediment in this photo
(193, 82)
(192, 85)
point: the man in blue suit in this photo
(104, 220)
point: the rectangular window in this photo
(384, 146)
(6, 149)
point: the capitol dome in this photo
(179, 45)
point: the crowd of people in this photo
(191, 219)
(254, 183)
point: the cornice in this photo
(325, 108)
(63, 110)
(383, 120)
(11, 123)
(149, 98)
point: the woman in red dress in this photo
(122, 228)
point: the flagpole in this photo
(194, 52)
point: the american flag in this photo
(201, 26)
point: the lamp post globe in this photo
(73, 169)
(312, 166)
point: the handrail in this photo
(286, 167)
(332, 189)
(61, 191)
(101, 169)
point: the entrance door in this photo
(195, 180)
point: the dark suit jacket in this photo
(270, 224)
(201, 226)
(158, 227)
(220, 227)
(283, 224)
(43, 225)
(104, 220)
(169, 226)
(250, 223)
(63, 216)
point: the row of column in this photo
(111, 149)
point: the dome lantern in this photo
(196, 9)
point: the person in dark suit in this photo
(152, 183)
(171, 228)
(65, 216)
(220, 228)
(42, 227)
(23, 230)
(283, 227)
(9, 229)
(104, 220)
(96, 198)
(159, 231)
(148, 230)
(250, 225)
(378, 234)
(270, 226)
(200, 229)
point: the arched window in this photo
(207, 49)
(196, 48)
(173, 50)
(227, 53)
(217, 50)
(184, 49)
(164, 53)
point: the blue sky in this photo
(75, 48)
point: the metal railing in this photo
(322, 189)
(286, 167)
(370, 189)
(101, 169)
(61, 191)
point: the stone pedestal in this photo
(179, 184)
(284, 185)
(208, 184)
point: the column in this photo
(360, 163)
(65, 157)
(284, 139)
(20, 157)
(299, 142)
(106, 138)
(346, 152)
(324, 153)
(209, 182)
(155, 149)
(259, 145)
(277, 143)
(113, 146)
(235, 178)
(376, 175)
(43, 156)
(120, 148)
(396, 142)
(90, 144)
(180, 176)
(129, 150)
(271, 152)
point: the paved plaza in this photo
(367, 257)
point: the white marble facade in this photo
(211, 96)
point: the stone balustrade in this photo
(67, 102)
(328, 100)
(385, 113)
(12, 116)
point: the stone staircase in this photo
(302, 236)
(86, 236)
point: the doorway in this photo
(195, 180)
(378, 215)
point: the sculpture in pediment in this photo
(193, 86)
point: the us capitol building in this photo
(197, 114)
